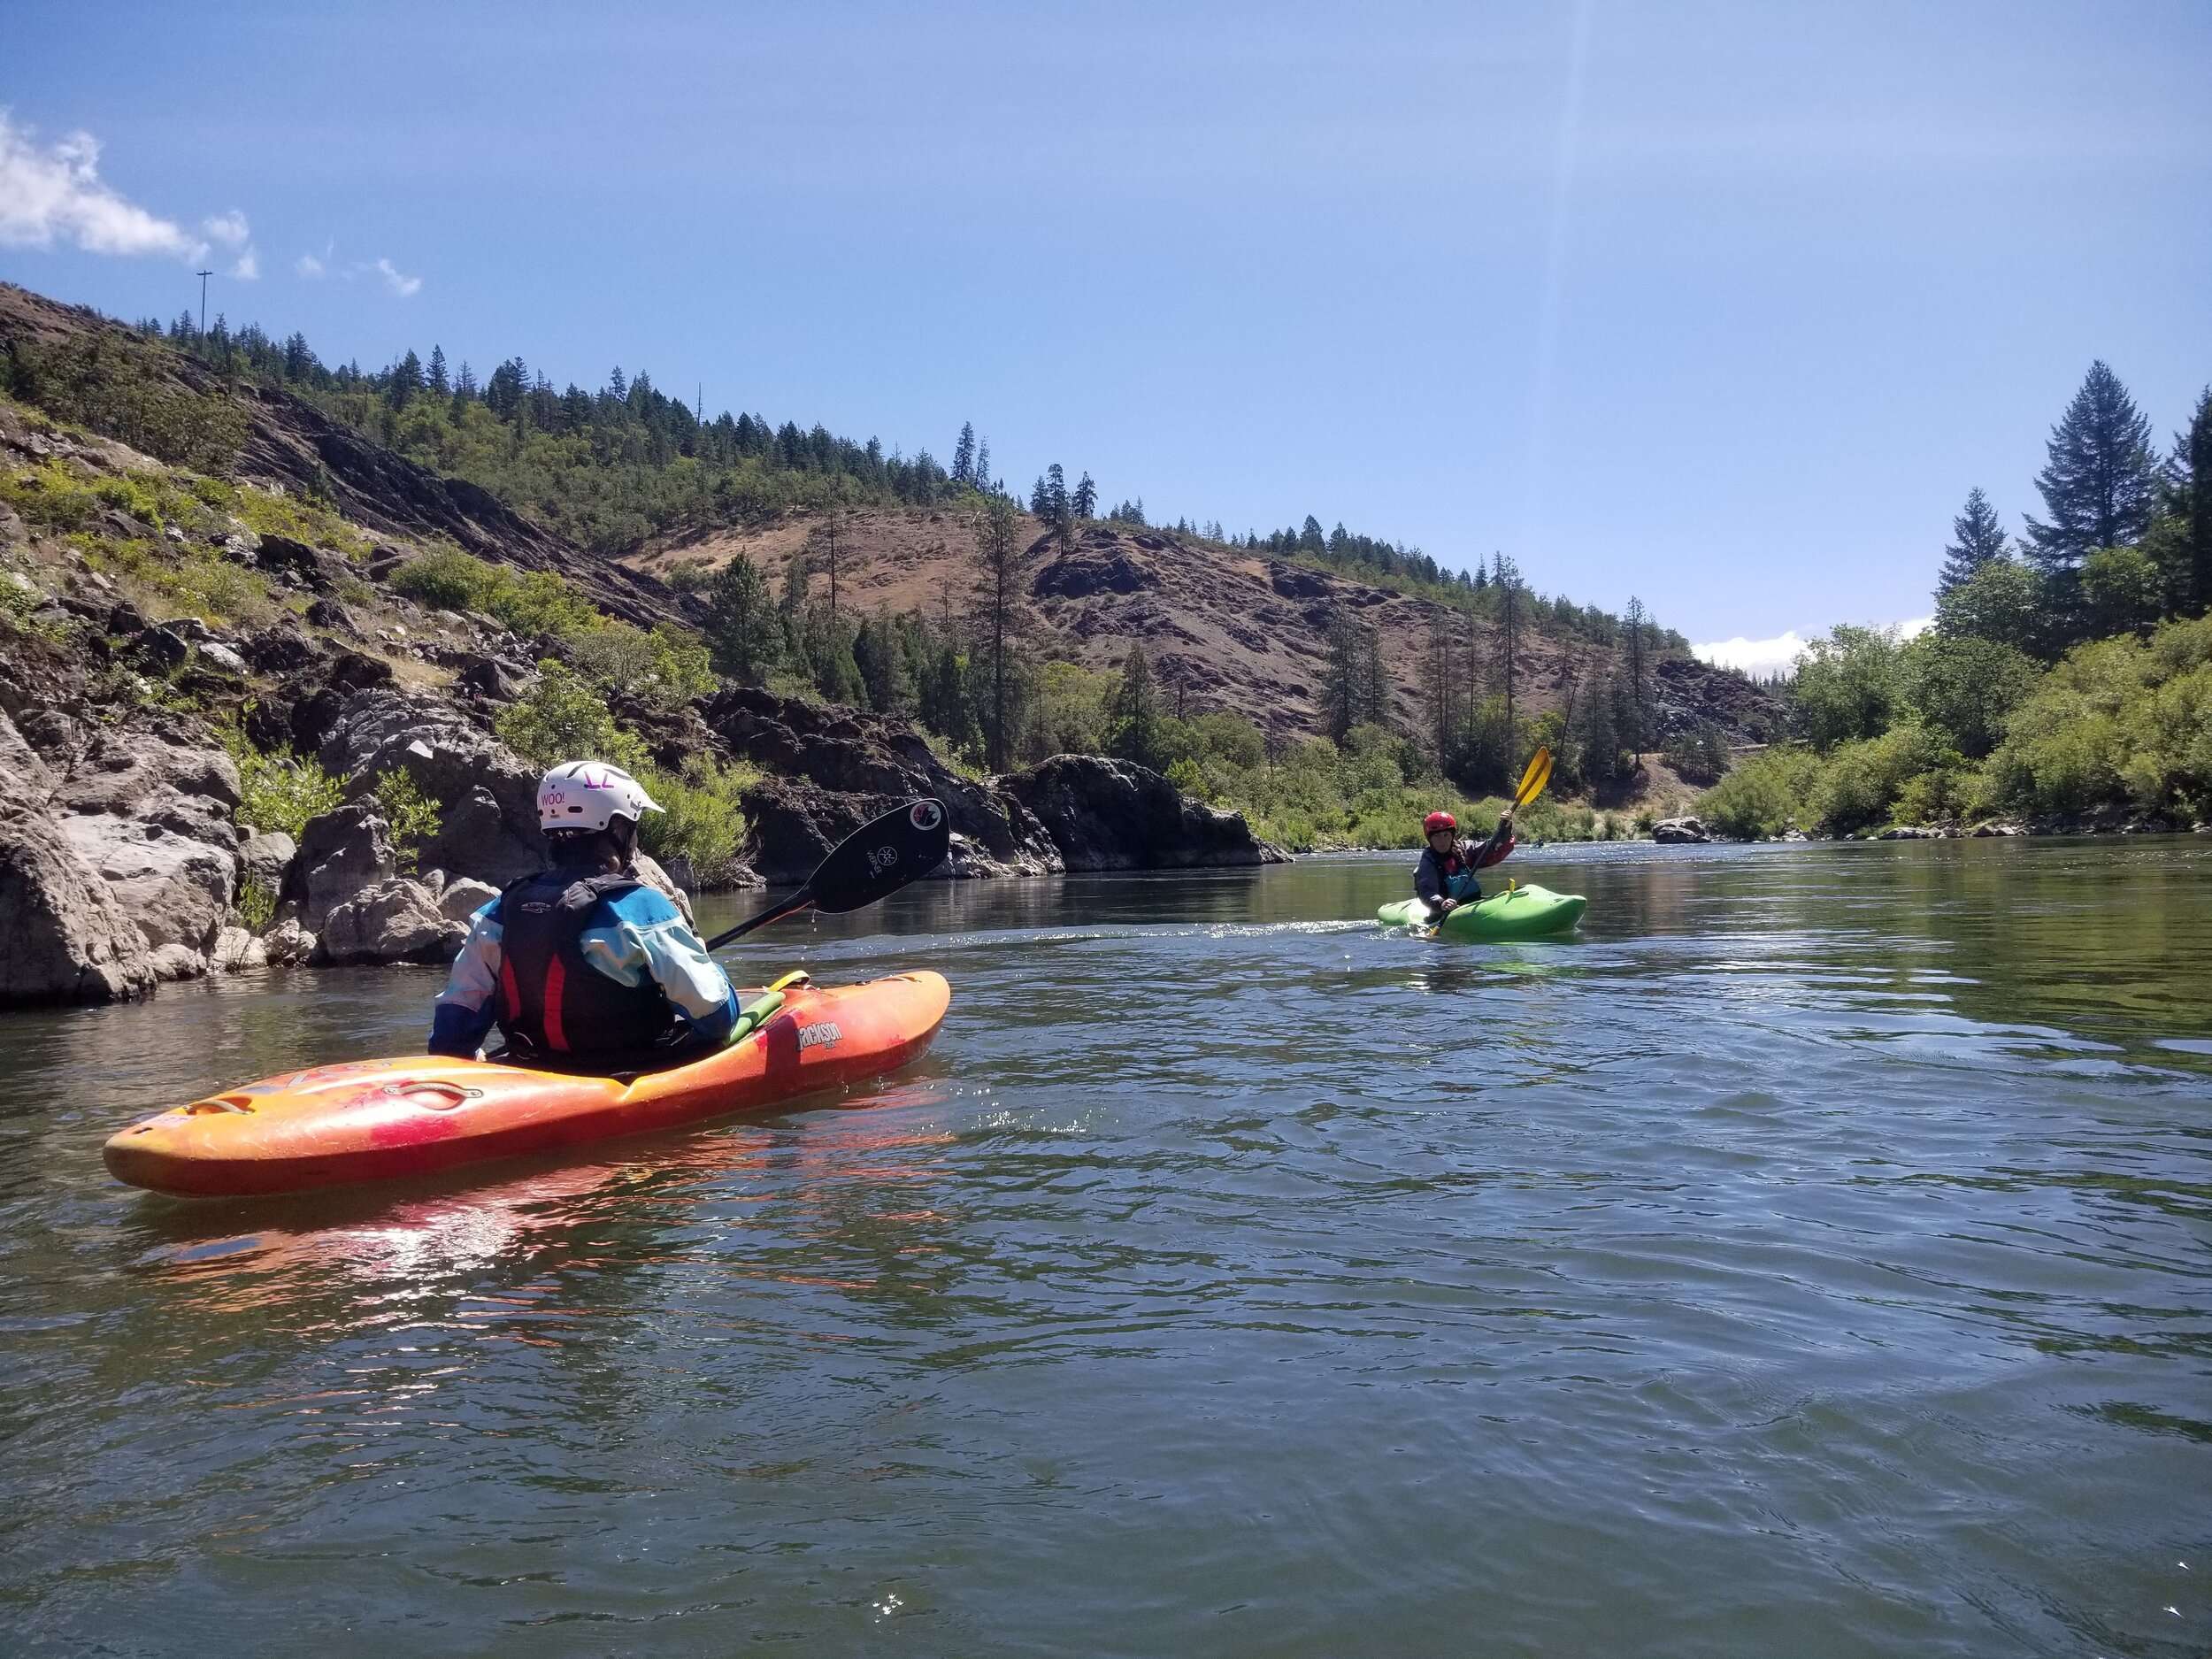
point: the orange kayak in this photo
(380, 1120)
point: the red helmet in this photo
(1436, 821)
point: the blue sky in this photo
(1727, 305)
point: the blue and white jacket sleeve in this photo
(649, 939)
(470, 1001)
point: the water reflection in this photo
(1808, 1258)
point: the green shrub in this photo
(256, 904)
(562, 717)
(701, 819)
(214, 589)
(1761, 798)
(124, 389)
(534, 603)
(2117, 722)
(271, 512)
(411, 816)
(666, 667)
(49, 493)
(279, 792)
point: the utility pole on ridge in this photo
(204, 276)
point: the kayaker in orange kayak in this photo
(584, 960)
(1445, 875)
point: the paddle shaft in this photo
(791, 906)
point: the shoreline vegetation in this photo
(2065, 683)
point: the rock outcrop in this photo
(341, 853)
(394, 919)
(151, 813)
(63, 936)
(489, 829)
(1675, 832)
(841, 768)
(1116, 815)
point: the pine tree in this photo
(964, 455)
(1135, 713)
(1637, 620)
(1977, 538)
(438, 383)
(2100, 485)
(1441, 691)
(405, 383)
(1037, 499)
(1056, 497)
(617, 388)
(1506, 577)
(1310, 538)
(884, 672)
(744, 637)
(1085, 501)
(999, 615)
(1340, 690)
(2192, 500)
(983, 464)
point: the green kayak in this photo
(1522, 913)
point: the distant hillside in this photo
(1273, 629)
(1225, 629)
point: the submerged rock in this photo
(1116, 815)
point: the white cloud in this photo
(1775, 655)
(1753, 657)
(227, 228)
(248, 268)
(54, 194)
(404, 287)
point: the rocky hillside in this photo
(189, 653)
(1225, 628)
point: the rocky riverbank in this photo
(179, 651)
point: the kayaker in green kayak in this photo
(1445, 875)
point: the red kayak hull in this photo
(382, 1120)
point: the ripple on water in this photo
(1809, 1258)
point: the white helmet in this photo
(588, 795)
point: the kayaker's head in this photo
(589, 812)
(1442, 829)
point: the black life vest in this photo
(551, 999)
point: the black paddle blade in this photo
(879, 858)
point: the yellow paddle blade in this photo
(1534, 778)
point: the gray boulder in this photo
(488, 828)
(178, 961)
(63, 936)
(392, 920)
(1116, 815)
(340, 853)
(461, 898)
(842, 767)
(237, 951)
(32, 782)
(288, 944)
(1674, 832)
(267, 858)
(177, 889)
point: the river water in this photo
(1815, 1258)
